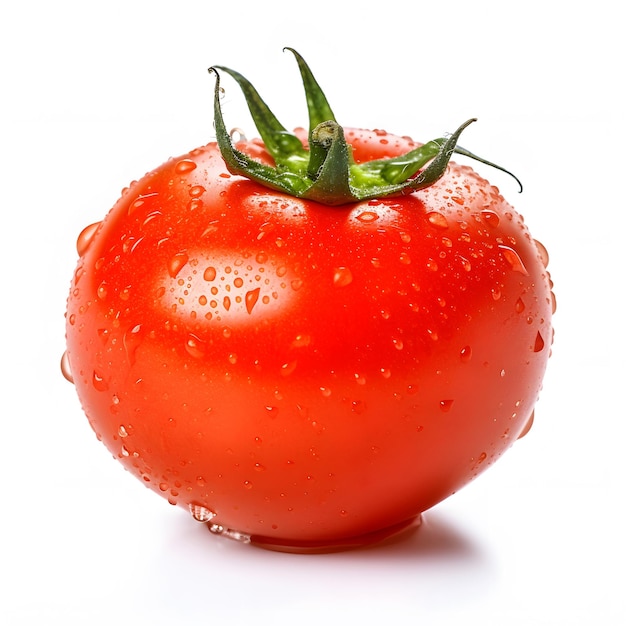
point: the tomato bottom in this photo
(378, 537)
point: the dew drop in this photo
(437, 219)
(358, 407)
(519, 305)
(209, 274)
(251, 298)
(86, 237)
(405, 259)
(65, 368)
(342, 276)
(513, 259)
(367, 217)
(490, 217)
(445, 405)
(287, 368)
(99, 382)
(102, 290)
(527, 426)
(196, 191)
(201, 513)
(132, 339)
(195, 346)
(176, 263)
(481, 457)
(466, 354)
(543, 253)
(185, 166)
(539, 343)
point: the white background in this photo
(96, 94)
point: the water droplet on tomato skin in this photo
(539, 343)
(490, 217)
(543, 253)
(195, 346)
(176, 263)
(446, 405)
(131, 341)
(86, 237)
(201, 513)
(342, 277)
(466, 354)
(527, 426)
(513, 259)
(437, 219)
(65, 368)
(196, 191)
(185, 166)
(367, 217)
(251, 299)
(99, 382)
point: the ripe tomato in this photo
(306, 376)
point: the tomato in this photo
(304, 376)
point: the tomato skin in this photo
(308, 373)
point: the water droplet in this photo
(122, 431)
(196, 191)
(358, 407)
(527, 426)
(465, 264)
(201, 513)
(490, 217)
(86, 237)
(519, 305)
(405, 259)
(367, 217)
(342, 276)
(195, 346)
(481, 457)
(176, 263)
(445, 405)
(132, 339)
(301, 341)
(251, 298)
(287, 368)
(185, 166)
(539, 343)
(398, 344)
(296, 284)
(102, 290)
(325, 391)
(437, 219)
(65, 368)
(466, 354)
(543, 253)
(513, 259)
(99, 382)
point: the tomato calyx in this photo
(325, 172)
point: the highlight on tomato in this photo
(308, 339)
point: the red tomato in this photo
(299, 375)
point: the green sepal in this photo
(326, 171)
